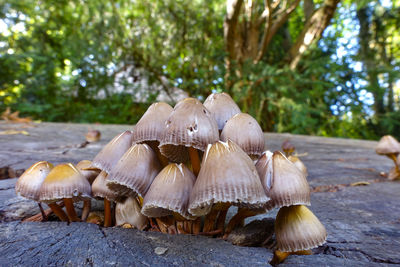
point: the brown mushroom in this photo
(128, 212)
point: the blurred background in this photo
(317, 67)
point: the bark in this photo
(308, 8)
(312, 31)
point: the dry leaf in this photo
(13, 132)
(360, 183)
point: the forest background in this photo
(317, 67)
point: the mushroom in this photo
(388, 146)
(100, 190)
(29, 183)
(283, 182)
(90, 174)
(245, 131)
(128, 212)
(222, 107)
(64, 182)
(227, 177)
(112, 152)
(297, 229)
(299, 164)
(93, 136)
(169, 194)
(189, 125)
(150, 128)
(134, 172)
(288, 148)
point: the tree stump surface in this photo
(362, 221)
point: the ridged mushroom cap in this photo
(189, 125)
(135, 171)
(297, 228)
(169, 192)
(227, 175)
(283, 182)
(299, 164)
(84, 167)
(29, 183)
(112, 152)
(129, 212)
(222, 107)
(245, 131)
(64, 181)
(100, 189)
(152, 124)
(387, 145)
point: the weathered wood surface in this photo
(363, 222)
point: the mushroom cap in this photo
(299, 164)
(189, 125)
(222, 107)
(112, 152)
(129, 212)
(93, 136)
(245, 131)
(135, 171)
(297, 228)
(288, 147)
(152, 124)
(84, 167)
(283, 182)
(29, 183)
(100, 189)
(64, 181)
(169, 192)
(387, 145)
(227, 175)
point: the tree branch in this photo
(230, 24)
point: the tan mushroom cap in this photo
(100, 189)
(297, 228)
(113, 151)
(169, 192)
(222, 107)
(299, 164)
(152, 124)
(129, 212)
(29, 183)
(283, 182)
(189, 125)
(135, 171)
(245, 131)
(227, 175)
(84, 167)
(387, 145)
(64, 181)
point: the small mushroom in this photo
(90, 174)
(245, 131)
(66, 183)
(388, 146)
(29, 183)
(93, 136)
(128, 212)
(288, 148)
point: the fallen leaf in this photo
(13, 132)
(360, 183)
(160, 250)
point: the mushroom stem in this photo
(154, 226)
(196, 226)
(221, 220)
(107, 213)
(236, 220)
(180, 227)
(69, 206)
(165, 223)
(87, 204)
(195, 160)
(211, 233)
(38, 217)
(280, 256)
(154, 145)
(58, 211)
(187, 226)
(44, 216)
(209, 220)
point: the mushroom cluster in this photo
(390, 147)
(179, 171)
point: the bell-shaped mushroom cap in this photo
(299, 164)
(152, 124)
(222, 107)
(64, 181)
(84, 167)
(113, 151)
(283, 182)
(245, 131)
(387, 145)
(129, 212)
(169, 192)
(135, 171)
(100, 189)
(297, 228)
(189, 125)
(227, 175)
(29, 183)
